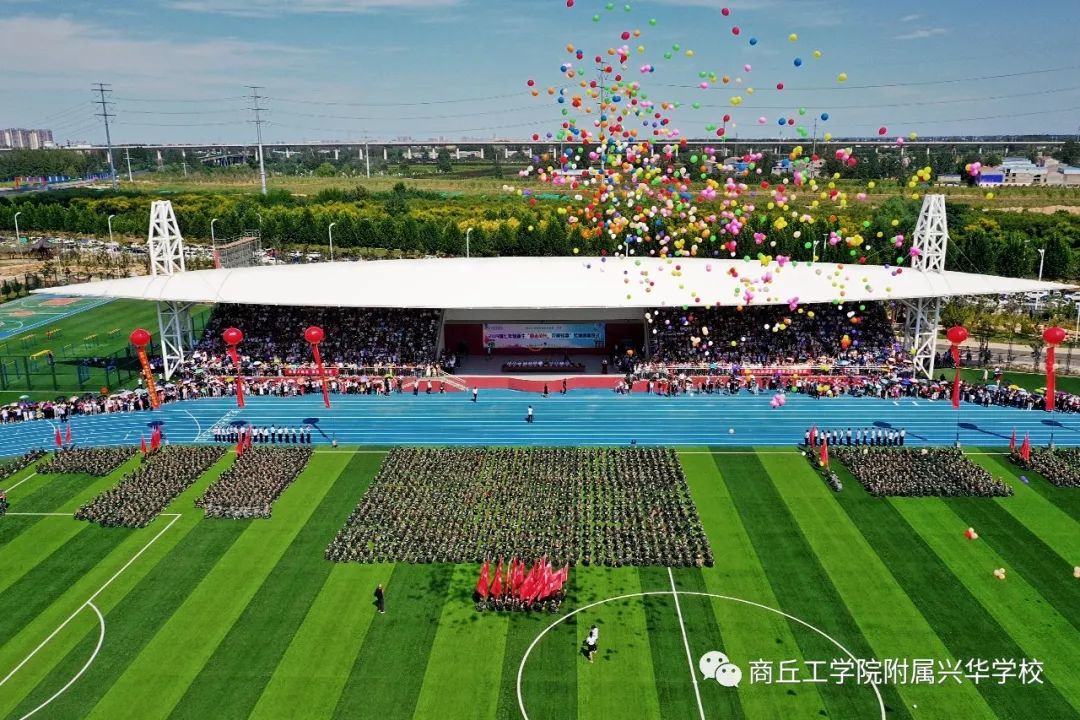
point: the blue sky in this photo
(379, 69)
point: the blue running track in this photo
(583, 417)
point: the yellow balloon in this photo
(842, 77)
(793, 37)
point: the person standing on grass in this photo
(380, 599)
(591, 642)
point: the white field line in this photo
(93, 656)
(20, 482)
(686, 644)
(90, 600)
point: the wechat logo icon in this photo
(715, 666)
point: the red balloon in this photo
(957, 335)
(882, 130)
(1054, 335)
(139, 337)
(232, 336)
(314, 335)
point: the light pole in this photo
(468, 232)
(331, 231)
(110, 227)
(17, 226)
(213, 238)
(1042, 259)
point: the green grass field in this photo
(237, 619)
(100, 331)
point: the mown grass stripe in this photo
(1024, 552)
(549, 683)
(621, 675)
(152, 543)
(385, 680)
(35, 590)
(161, 673)
(955, 610)
(801, 584)
(456, 689)
(747, 633)
(1012, 620)
(1065, 499)
(229, 684)
(133, 621)
(890, 620)
(1039, 515)
(674, 685)
(316, 665)
(20, 537)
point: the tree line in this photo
(419, 222)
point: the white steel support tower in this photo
(923, 315)
(166, 246)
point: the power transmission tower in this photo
(255, 97)
(101, 89)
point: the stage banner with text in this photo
(556, 336)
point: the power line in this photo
(402, 118)
(395, 104)
(102, 88)
(182, 100)
(258, 131)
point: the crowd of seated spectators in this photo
(749, 337)
(250, 487)
(144, 493)
(98, 462)
(919, 472)
(596, 506)
(364, 336)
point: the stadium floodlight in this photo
(468, 232)
(330, 230)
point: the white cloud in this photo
(910, 18)
(273, 8)
(922, 34)
(84, 52)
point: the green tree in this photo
(396, 204)
(326, 170)
(1070, 153)
(443, 163)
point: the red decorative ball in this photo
(232, 336)
(957, 334)
(314, 335)
(139, 337)
(1054, 335)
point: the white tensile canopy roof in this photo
(553, 282)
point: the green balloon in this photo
(808, 245)
(596, 18)
(652, 21)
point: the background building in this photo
(22, 139)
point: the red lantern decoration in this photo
(1053, 336)
(957, 335)
(315, 335)
(140, 338)
(233, 337)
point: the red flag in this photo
(59, 440)
(1012, 441)
(240, 442)
(825, 451)
(1050, 379)
(142, 444)
(155, 438)
(956, 378)
(813, 436)
(235, 357)
(496, 584)
(482, 583)
(1025, 449)
(67, 435)
(249, 436)
(518, 576)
